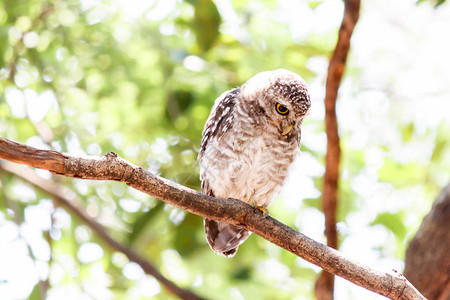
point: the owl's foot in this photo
(265, 211)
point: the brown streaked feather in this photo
(220, 119)
(223, 238)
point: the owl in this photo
(249, 141)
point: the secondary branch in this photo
(325, 283)
(68, 199)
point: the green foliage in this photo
(205, 23)
(436, 3)
(401, 174)
(393, 222)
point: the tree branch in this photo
(325, 283)
(111, 167)
(67, 198)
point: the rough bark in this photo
(110, 167)
(427, 263)
(324, 286)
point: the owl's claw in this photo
(264, 211)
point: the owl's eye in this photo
(282, 110)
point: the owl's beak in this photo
(286, 127)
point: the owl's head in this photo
(280, 97)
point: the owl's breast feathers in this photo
(239, 157)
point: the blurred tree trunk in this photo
(427, 264)
(324, 287)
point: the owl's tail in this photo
(224, 238)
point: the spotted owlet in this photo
(249, 141)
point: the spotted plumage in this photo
(249, 141)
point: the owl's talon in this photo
(264, 211)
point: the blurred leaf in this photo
(407, 132)
(393, 222)
(242, 273)
(346, 199)
(314, 4)
(183, 239)
(435, 2)
(36, 293)
(441, 142)
(178, 102)
(206, 23)
(143, 220)
(401, 175)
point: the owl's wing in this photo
(220, 119)
(223, 238)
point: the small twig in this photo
(67, 199)
(111, 167)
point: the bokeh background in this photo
(139, 77)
